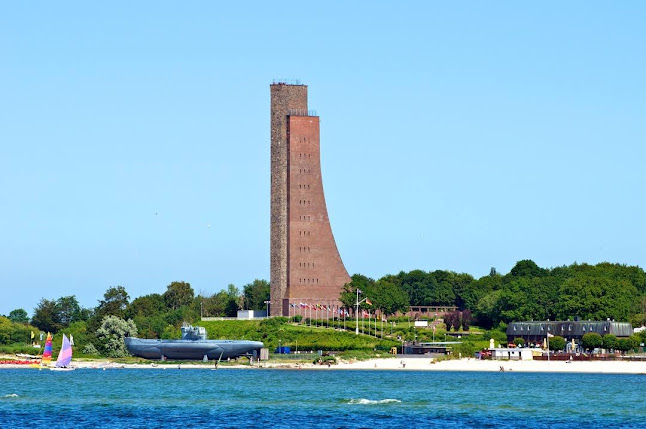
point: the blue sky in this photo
(134, 138)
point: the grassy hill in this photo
(277, 331)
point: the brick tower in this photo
(306, 267)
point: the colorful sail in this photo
(65, 356)
(47, 353)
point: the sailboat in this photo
(47, 353)
(64, 357)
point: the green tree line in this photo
(527, 292)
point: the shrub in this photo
(297, 318)
(591, 341)
(519, 342)
(624, 344)
(111, 334)
(498, 337)
(89, 349)
(325, 360)
(557, 343)
(609, 342)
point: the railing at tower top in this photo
(286, 82)
(301, 112)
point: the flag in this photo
(359, 291)
(32, 334)
(549, 335)
(71, 340)
(368, 301)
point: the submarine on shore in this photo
(192, 346)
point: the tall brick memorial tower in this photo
(306, 268)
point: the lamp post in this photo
(267, 303)
(356, 314)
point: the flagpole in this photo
(356, 313)
(548, 346)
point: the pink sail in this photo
(65, 356)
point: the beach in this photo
(395, 364)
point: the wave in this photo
(363, 401)
(11, 395)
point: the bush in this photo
(297, 318)
(591, 341)
(466, 349)
(325, 360)
(273, 322)
(498, 337)
(624, 344)
(557, 343)
(89, 349)
(609, 342)
(519, 342)
(111, 334)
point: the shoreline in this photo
(396, 364)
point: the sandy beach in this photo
(398, 364)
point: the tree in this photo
(68, 310)
(557, 343)
(255, 295)
(18, 315)
(624, 344)
(422, 287)
(466, 319)
(178, 294)
(216, 304)
(591, 341)
(45, 316)
(487, 309)
(388, 297)
(349, 292)
(146, 306)
(452, 320)
(520, 342)
(596, 298)
(111, 334)
(6, 330)
(609, 342)
(114, 302)
(235, 300)
(527, 268)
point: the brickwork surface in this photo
(305, 264)
(283, 99)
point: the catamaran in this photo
(47, 352)
(64, 357)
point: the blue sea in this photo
(234, 398)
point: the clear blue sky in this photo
(454, 135)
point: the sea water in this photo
(235, 398)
